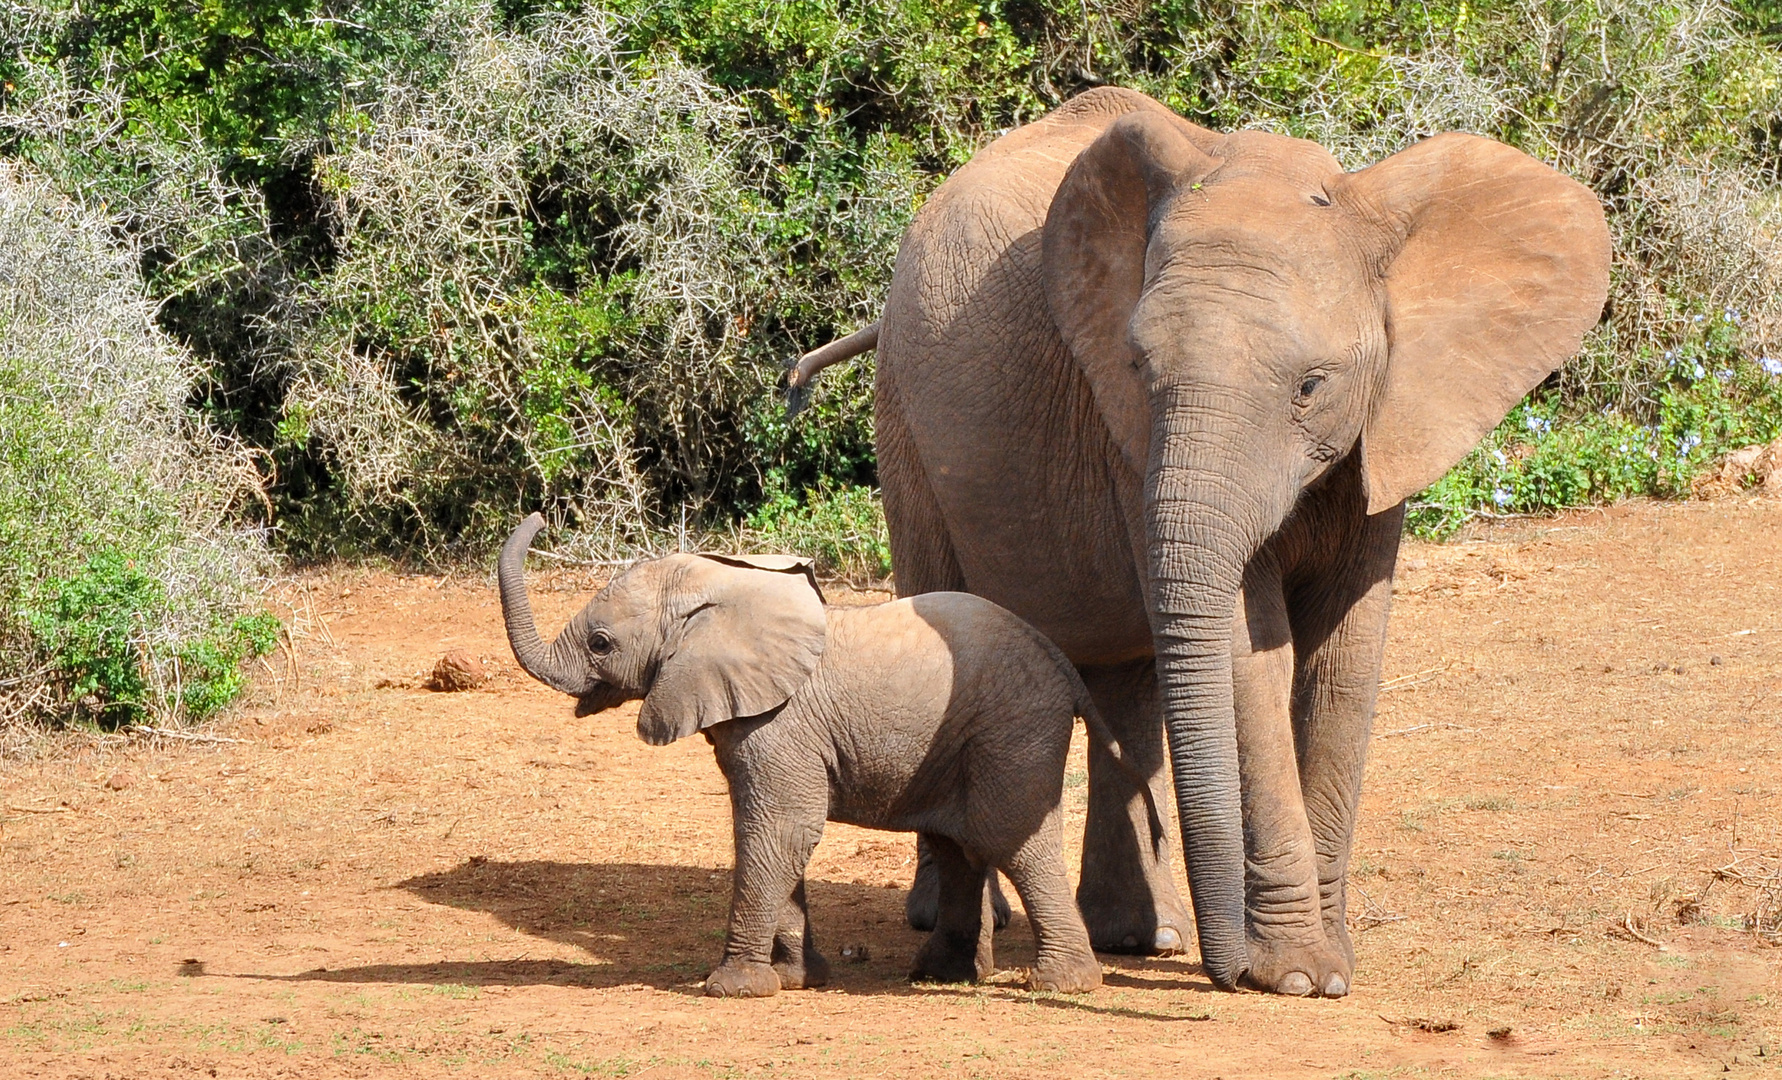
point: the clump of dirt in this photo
(458, 670)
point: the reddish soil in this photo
(1570, 849)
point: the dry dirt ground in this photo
(1569, 853)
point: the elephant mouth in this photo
(603, 697)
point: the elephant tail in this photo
(798, 383)
(1103, 736)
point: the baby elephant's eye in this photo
(1310, 385)
(600, 642)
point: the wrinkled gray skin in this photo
(1162, 393)
(943, 715)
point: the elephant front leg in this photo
(795, 957)
(1334, 694)
(771, 853)
(1290, 950)
(1127, 894)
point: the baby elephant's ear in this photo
(785, 564)
(747, 633)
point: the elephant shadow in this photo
(660, 926)
(638, 924)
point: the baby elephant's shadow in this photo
(663, 927)
(641, 923)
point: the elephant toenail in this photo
(1129, 942)
(1166, 941)
(1294, 984)
(1334, 986)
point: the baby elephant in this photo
(941, 714)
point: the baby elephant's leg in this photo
(795, 956)
(771, 853)
(1065, 961)
(960, 948)
(923, 902)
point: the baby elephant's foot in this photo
(1307, 970)
(945, 958)
(1068, 975)
(804, 971)
(738, 978)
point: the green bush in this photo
(119, 544)
(96, 630)
(843, 529)
(1540, 460)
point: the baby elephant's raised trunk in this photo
(559, 666)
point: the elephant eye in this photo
(1311, 384)
(1321, 200)
(600, 642)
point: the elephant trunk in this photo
(559, 666)
(1208, 515)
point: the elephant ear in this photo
(746, 633)
(1501, 267)
(784, 564)
(1093, 255)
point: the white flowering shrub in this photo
(126, 583)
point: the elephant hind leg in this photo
(960, 948)
(922, 561)
(922, 906)
(922, 555)
(1064, 960)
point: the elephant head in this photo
(700, 638)
(1246, 315)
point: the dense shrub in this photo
(125, 582)
(463, 259)
(566, 274)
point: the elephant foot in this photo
(1140, 933)
(1319, 969)
(742, 979)
(949, 958)
(1068, 975)
(805, 970)
(922, 907)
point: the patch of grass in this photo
(1492, 803)
(1546, 456)
(455, 991)
(361, 1043)
(613, 1066)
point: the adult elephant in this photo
(1163, 392)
